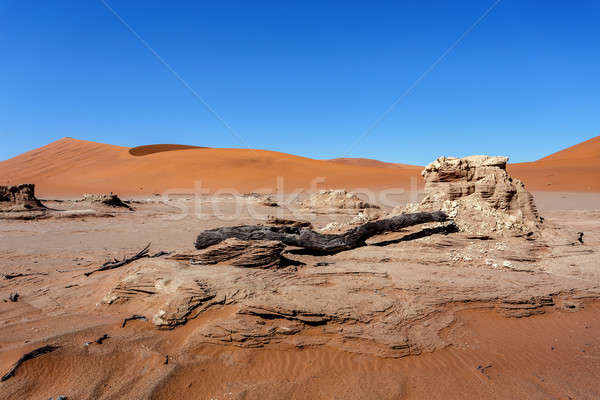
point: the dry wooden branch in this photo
(160, 254)
(314, 241)
(444, 230)
(116, 263)
(28, 356)
(18, 275)
(133, 317)
(102, 338)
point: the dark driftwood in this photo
(160, 254)
(28, 356)
(314, 241)
(133, 317)
(443, 230)
(116, 263)
(102, 338)
(18, 275)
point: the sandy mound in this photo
(261, 198)
(479, 195)
(334, 200)
(108, 200)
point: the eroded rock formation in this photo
(110, 200)
(19, 198)
(334, 200)
(169, 292)
(276, 221)
(478, 193)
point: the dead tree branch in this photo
(28, 356)
(18, 275)
(133, 317)
(116, 264)
(314, 241)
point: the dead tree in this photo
(119, 263)
(313, 241)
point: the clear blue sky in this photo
(306, 79)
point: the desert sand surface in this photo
(71, 167)
(469, 317)
(471, 288)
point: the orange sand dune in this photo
(584, 153)
(72, 167)
(574, 169)
(369, 162)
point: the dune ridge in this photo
(72, 167)
(159, 148)
(574, 169)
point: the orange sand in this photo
(159, 148)
(575, 169)
(72, 167)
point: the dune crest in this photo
(71, 167)
(574, 169)
(159, 148)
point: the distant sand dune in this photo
(72, 167)
(574, 169)
(368, 162)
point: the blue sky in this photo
(305, 79)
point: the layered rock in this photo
(363, 216)
(239, 253)
(276, 221)
(478, 193)
(166, 291)
(19, 198)
(335, 200)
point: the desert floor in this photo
(409, 316)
